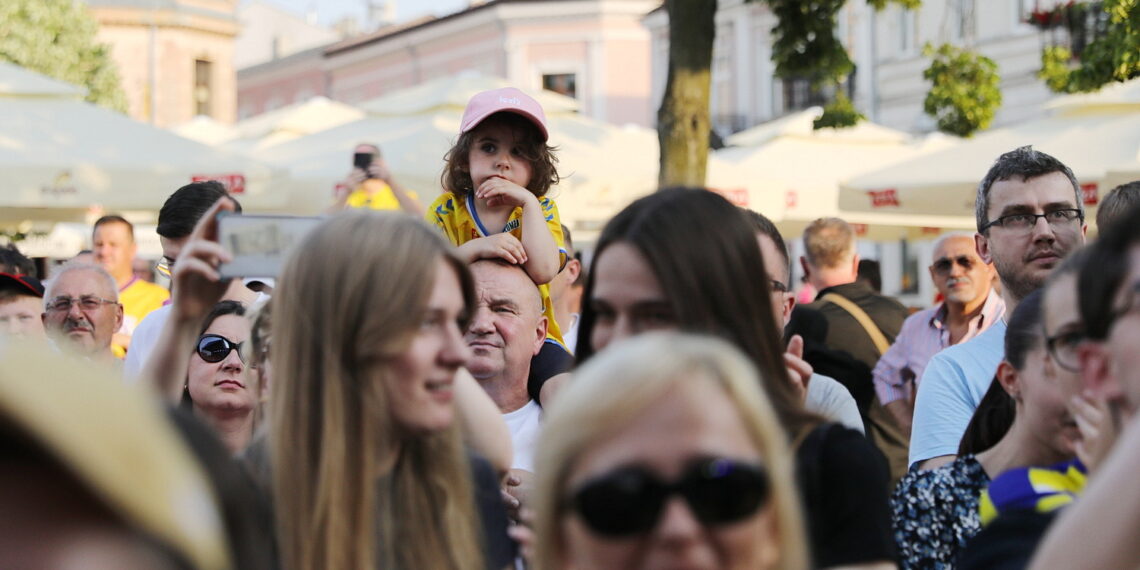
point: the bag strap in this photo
(877, 337)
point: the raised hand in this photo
(502, 192)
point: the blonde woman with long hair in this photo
(368, 468)
(665, 452)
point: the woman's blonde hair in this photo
(348, 302)
(618, 384)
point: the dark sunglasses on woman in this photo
(629, 500)
(215, 348)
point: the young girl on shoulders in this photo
(495, 204)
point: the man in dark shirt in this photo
(831, 265)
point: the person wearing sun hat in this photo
(92, 475)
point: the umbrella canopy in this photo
(803, 168)
(64, 157)
(604, 167)
(1089, 133)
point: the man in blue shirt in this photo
(1029, 215)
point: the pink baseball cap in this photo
(505, 100)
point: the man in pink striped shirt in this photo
(969, 307)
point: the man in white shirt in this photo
(507, 329)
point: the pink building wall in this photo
(601, 42)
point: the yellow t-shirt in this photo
(138, 298)
(381, 199)
(457, 218)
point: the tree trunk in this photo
(683, 119)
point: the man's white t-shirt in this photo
(142, 342)
(525, 425)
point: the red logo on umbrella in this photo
(883, 198)
(234, 183)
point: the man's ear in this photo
(118, 317)
(806, 267)
(982, 243)
(789, 305)
(539, 334)
(573, 269)
(1008, 378)
(855, 266)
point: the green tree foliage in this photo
(804, 45)
(57, 38)
(838, 114)
(1114, 56)
(683, 124)
(964, 95)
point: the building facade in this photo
(596, 51)
(886, 48)
(175, 57)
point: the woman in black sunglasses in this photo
(688, 260)
(219, 386)
(665, 452)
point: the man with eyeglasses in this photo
(825, 395)
(969, 306)
(176, 220)
(82, 312)
(1029, 215)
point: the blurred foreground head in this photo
(666, 450)
(93, 475)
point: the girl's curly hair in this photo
(456, 176)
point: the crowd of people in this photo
(457, 387)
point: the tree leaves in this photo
(57, 38)
(965, 94)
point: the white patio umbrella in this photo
(604, 166)
(1090, 133)
(803, 167)
(62, 157)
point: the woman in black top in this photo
(687, 259)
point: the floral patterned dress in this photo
(935, 512)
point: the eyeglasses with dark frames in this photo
(1062, 347)
(1057, 219)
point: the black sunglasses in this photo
(215, 348)
(628, 501)
(945, 264)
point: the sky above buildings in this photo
(329, 11)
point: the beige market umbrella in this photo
(802, 168)
(1092, 134)
(63, 158)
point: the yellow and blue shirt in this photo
(138, 298)
(1040, 489)
(458, 219)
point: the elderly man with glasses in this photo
(969, 306)
(1030, 215)
(82, 312)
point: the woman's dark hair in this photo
(990, 421)
(222, 309)
(456, 176)
(995, 412)
(1023, 330)
(706, 257)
